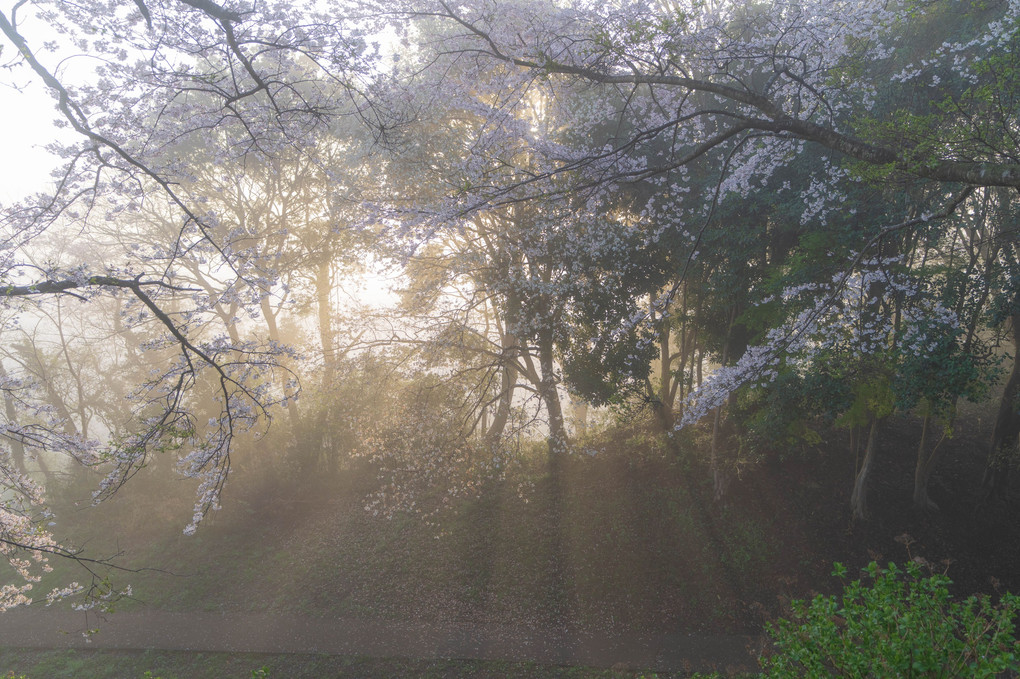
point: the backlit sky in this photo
(26, 118)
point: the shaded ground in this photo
(627, 555)
(254, 633)
(114, 664)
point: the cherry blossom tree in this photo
(567, 140)
(763, 79)
(749, 89)
(144, 86)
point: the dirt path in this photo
(48, 628)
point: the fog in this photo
(562, 335)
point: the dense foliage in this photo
(896, 623)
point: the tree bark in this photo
(75, 373)
(859, 497)
(1007, 427)
(720, 475)
(274, 335)
(663, 403)
(924, 468)
(550, 395)
(720, 479)
(323, 288)
(494, 432)
(11, 412)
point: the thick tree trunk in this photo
(494, 432)
(720, 477)
(664, 416)
(1007, 426)
(550, 396)
(663, 403)
(11, 412)
(557, 425)
(859, 497)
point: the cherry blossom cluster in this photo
(850, 317)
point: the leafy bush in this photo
(895, 623)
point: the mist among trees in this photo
(753, 227)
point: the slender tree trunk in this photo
(923, 469)
(227, 316)
(63, 411)
(509, 354)
(678, 390)
(1007, 426)
(131, 341)
(699, 360)
(720, 475)
(274, 335)
(720, 479)
(323, 289)
(859, 497)
(75, 373)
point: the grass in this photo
(624, 542)
(627, 541)
(36, 664)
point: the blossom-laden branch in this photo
(840, 316)
(185, 75)
(793, 71)
(166, 421)
(241, 86)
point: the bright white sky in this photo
(26, 117)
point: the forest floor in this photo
(239, 633)
(625, 551)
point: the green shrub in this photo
(895, 623)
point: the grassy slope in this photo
(628, 540)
